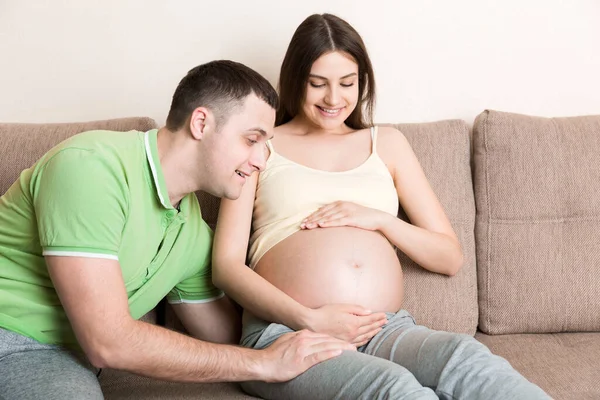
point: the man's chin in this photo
(226, 193)
(232, 194)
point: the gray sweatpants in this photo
(31, 370)
(403, 361)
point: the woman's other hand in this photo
(344, 213)
(352, 323)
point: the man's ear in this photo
(199, 121)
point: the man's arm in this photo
(94, 297)
(216, 321)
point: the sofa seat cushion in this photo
(123, 385)
(565, 365)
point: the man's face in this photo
(238, 148)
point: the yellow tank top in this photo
(288, 192)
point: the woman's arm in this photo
(430, 241)
(230, 273)
(434, 251)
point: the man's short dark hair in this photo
(221, 86)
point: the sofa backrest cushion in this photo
(537, 185)
(437, 301)
(23, 144)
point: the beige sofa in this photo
(522, 194)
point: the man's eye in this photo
(317, 86)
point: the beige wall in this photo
(76, 60)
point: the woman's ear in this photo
(199, 120)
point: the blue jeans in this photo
(403, 361)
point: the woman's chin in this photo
(329, 122)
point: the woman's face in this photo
(331, 91)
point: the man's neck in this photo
(177, 164)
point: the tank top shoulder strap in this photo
(270, 146)
(374, 139)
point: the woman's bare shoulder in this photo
(389, 132)
(390, 141)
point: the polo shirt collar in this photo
(150, 142)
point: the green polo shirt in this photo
(99, 194)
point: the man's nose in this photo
(258, 159)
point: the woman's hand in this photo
(344, 213)
(352, 323)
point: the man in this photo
(106, 224)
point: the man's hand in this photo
(295, 352)
(351, 323)
(344, 213)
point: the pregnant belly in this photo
(336, 265)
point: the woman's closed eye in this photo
(322, 85)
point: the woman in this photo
(323, 221)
